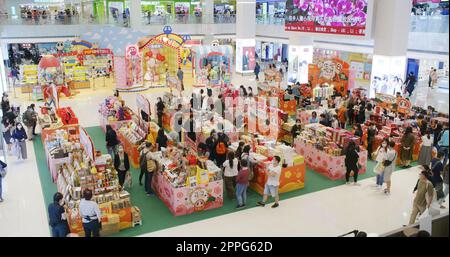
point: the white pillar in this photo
(135, 14)
(300, 55)
(245, 35)
(392, 25)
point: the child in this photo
(242, 184)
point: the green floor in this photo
(155, 214)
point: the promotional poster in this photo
(345, 17)
(248, 58)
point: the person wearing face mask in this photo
(380, 156)
(90, 214)
(371, 133)
(426, 148)
(121, 164)
(57, 216)
(210, 143)
(296, 129)
(20, 136)
(424, 196)
(437, 167)
(273, 182)
(389, 166)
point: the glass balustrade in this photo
(419, 23)
(74, 20)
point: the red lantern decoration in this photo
(160, 58)
(149, 54)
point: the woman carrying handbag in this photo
(379, 157)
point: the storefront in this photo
(221, 6)
(421, 68)
(171, 7)
(270, 8)
(270, 51)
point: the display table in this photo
(328, 165)
(115, 124)
(291, 178)
(54, 164)
(187, 200)
(304, 115)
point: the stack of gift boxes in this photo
(327, 139)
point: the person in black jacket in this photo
(121, 164)
(296, 129)
(57, 220)
(160, 111)
(111, 140)
(351, 162)
(358, 131)
(211, 144)
(161, 139)
(371, 133)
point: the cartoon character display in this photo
(199, 198)
(133, 65)
(333, 71)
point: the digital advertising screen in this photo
(338, 17)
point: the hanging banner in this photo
(86, 141)
(328, 16)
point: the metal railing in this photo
(63, 20)
(430, 24)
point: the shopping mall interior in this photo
(201, 118)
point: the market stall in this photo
(113, 113)
(99, 176)
(292, 173)
(185, 186)
(323, 147)
(161, 56)
(29, 77)
(212, 64)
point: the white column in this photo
(245, 35)
(392, 25)
(135, 14)
(300, 55)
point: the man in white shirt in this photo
(273, 182)
(90, 214)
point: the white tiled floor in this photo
(329, 212)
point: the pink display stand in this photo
(328, 165)
(115, 124)
(187, 200)
(54, 164)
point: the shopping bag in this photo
(128, 180)
(434, 209)
(425, 221)
(16, 149)
(379, 168)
